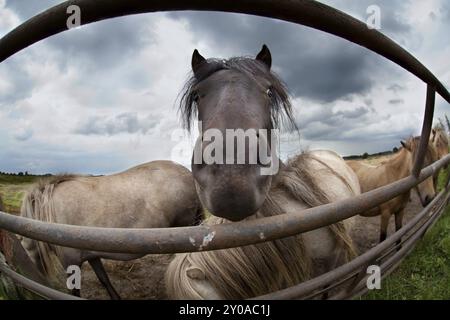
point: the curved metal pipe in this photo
(426, 131)
(202, 238)
(37, 288)
(305, 12)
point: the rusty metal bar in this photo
(16, 256)
(305, 12)
(191, 239)
(37, 288)
(426, 130)
(304, 288)
(316, 294)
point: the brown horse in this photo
(439, 140)
(231, 95)
(397, 167)
(158, 194)
(308, 180)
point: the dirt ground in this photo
(141, 279)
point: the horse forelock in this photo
(281, 109)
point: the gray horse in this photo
(154, 195)
(235, 94)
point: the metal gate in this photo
(349, 278)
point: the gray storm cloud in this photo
(99, 97)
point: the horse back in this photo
(153, 195)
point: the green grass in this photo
(12, 190)
(16, 179)
(12, 196)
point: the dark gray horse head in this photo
(237, 103)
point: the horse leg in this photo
(385, 215)
(398, 225)
(100, 271)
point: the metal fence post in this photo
(426, 130)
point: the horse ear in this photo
(405, 145)
(197, 61)
(265, 56)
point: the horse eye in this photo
(269, 93)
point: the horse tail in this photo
(342, 235)
(38, 204)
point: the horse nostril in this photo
(427, 200)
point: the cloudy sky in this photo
(102, 98)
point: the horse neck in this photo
(284, 199)
(397, 164)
